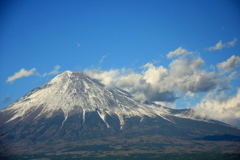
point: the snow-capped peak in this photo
(75, 92)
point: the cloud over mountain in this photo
(157, 83)
(186, 76)
(220, 106)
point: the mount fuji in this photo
(73, 111)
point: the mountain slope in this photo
(77, 93)
(73, 107)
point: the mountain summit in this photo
(75, 93)
(73, 107)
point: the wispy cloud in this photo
(55, 71)
(221, 45)
(229, 64)
(218, 46)
(232, 43)
(226, 87)
(25, 73)
(135, 62)
(178, 52)
(78, 45)
(103, 57)
(22, 73)
(6, 100)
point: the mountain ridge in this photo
(80, 90)
(72, 107)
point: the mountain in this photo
(75, 114)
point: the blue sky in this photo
(45, 38)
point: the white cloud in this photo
(182, 67)
(178, 52)
(154, 74)
(219, 106)
(22, 73)
(25, 73)
(142, 87)
(232, 43)
(157, 83)
(218, 46)
(229, 64)
(221, 45)
(106, 77)
(186, 76)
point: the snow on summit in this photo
(76, 93)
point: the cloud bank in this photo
(157, 83)
(186, 76)
(220, 106)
